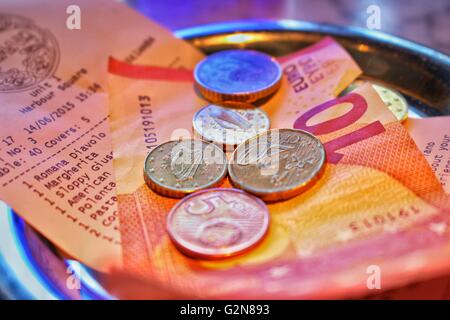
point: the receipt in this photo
(55, 146)
(432, 136)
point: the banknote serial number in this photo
(147, 123)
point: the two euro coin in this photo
(237, 76)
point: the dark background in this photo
(423, 21)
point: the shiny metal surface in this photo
(420, 73)
(34, 269)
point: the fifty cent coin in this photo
(176, 168)
(217, 223)
(229, 126)
(277, 164)
(237, 75)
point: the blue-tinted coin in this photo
(237, 75)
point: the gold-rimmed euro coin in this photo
(229, 126)
(237, 76)
(277, 164)
(177, 168)
(393, 99)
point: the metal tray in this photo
(34, 269)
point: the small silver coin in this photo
(229, 126)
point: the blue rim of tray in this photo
(311, 27)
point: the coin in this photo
(237, 75)
(176, 168)
(393, 99)
(277, 164)
(217, 223)
(229, 126)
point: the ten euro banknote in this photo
(378, 203)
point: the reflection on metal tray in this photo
(37, 270)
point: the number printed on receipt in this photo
(55, 146)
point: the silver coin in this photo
(229, 126)
(177, 168)
(237, 75)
